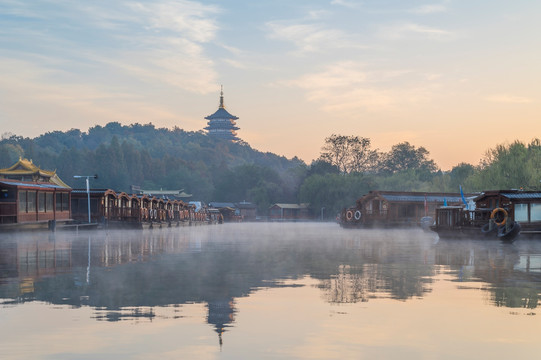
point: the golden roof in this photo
(25, 167)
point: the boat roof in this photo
(511, 194)
(421, 198)
(33, 184)
(521, 196)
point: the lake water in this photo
(267, 291)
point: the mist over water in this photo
(266, 290)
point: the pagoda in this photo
(221, 124)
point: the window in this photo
(49, 202)
(7, 195)
(31, 197)
(22, 201)
(62, 201)
(41, 202)
(58, 206)
(65, 201)
(521, 212)
(535, 214)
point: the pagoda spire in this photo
(222, 97)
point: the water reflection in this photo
(126, 275)
(512, 270)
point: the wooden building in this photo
(103, 205)
(122, 210)
(521, 206)
(396, 208)
(27, 202)
(228, 211)
(25, 170)
(29, 194)
(289, 212)
(247, 210)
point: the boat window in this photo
(41, 201)
(7, 195)
(65, 201)
(58, 202)
(22, 201)
(535, 212)
(31, 197)
(62, 201)
(93, 205)
(49, 202)
(521, 212)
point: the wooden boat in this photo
(381, 209)
(456, 222)
(522, 206)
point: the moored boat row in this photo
(497, 214)
(35, 199)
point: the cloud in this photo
(184, 18)
(317, 14)
(310, 37)
(162, 42)
(508, 99)
(235, 63)
(409, 30)
(347, 88)
(33, 99)
(429, 9)
(348, 4)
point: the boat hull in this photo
(502, 233)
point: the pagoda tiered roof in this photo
(221, 113)
(222, 124)
(25, 170)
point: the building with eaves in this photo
(29, 194)
(222, 124)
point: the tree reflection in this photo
(125, 275)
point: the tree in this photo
(333, 191)
(322, 167)
(459, 175)
(9, 154)
(516, 165)
(349, 153)
(404, 156)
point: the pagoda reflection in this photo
(128, 275)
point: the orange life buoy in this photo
(495, 212)
(349, 215)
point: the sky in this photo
(456, 77)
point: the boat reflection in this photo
(126, 275)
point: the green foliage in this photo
(407, 180)
(214, 170)
(459, 175)
(349, 153)
(157, 158)
(10, 154)
(334, 191)
(322, 167)
(509, 166)
(260, 185)
(405, 156)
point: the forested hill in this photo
(153, 158)
(214, 170)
